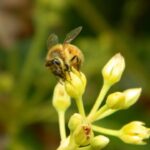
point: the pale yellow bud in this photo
(99, 142)
(75, 120)
(75, 87)
(61, 100)
(134, 133)
(113, 70)
(83, 134)
(131, 96)
(115, 100)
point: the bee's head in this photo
(53, 62)
(57, 66)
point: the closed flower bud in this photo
(115, 100)
(75, 87)
(83, 134)
(131, 96)
(61, 100)
(99, 142)
(113, 70)
(75, 121)
(134, 133)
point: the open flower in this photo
(134, 133)
(113, 70)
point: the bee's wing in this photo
(52, 40)
(72, 34)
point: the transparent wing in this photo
(72, 34)
(52, 40)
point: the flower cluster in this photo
(82, 126)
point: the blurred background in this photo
(27, 119)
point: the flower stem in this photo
(99, 99)
(80, 106)
(106, 113)
(98, 114)
(68, 144)
(62, 129)
(105, 131)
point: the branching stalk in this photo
(80, 106)
(61, 115)
(100, 99)
(105, 131)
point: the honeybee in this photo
(62, 57)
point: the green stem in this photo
(98, 114)
(61, 115)
(68, 144)
(106, 113)
(105, 131)
(99, 99)
(72, 145)
(80, 106)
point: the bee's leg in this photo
(77, 65)
(67, 68)
(61, 81)
(76, 62)
(67, 72)
(67, 75)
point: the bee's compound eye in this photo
(56, 62)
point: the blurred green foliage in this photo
(27, 119)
